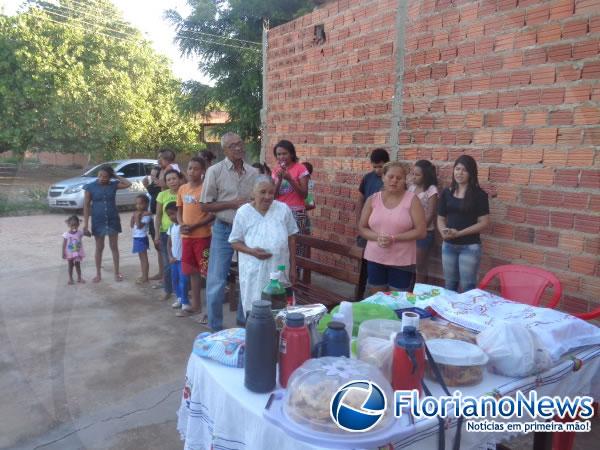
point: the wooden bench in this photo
(306, 292)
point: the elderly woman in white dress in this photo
(262, 234)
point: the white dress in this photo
(269, 232)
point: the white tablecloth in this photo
(218, 412)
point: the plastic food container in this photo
(312, 386)
(460, 363)
(374, 345)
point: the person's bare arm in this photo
(363, 224)
(360, 203)
(214, 207)
(201, 223)
(300, 185)
(259, 253)
(419, 230)
(64, 249)
(87, 200)
(157, 222)
(482, 223)
(430, 213)
(170, 250)
(124, 183)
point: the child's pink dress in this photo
(74, 248)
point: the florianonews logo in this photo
(358, 406)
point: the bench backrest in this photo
(347, 251)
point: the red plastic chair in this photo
(589, 315)
(524, 284)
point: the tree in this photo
(227, 34)
(76, 78)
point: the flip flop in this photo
(96, 279)
(81, 281)
(118, 277)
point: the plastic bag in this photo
(226, 346)
(377, 352)
(360, 312)
(514, 351)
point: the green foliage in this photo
(235, 63)
(75, 78)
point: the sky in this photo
(147, 16)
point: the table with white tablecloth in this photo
(218, 412)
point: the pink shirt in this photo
(424, 199)
(286, 193)
(391, 222)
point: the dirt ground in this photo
(93, 366)
(34, 178)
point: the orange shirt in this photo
(189, 198)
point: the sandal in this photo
(96, 279)
(202, 320)
(118, 277)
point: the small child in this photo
(140, 221)
(72, 248)
(309, 201)
(174, 247)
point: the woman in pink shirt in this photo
(391, 221)
(291, 182)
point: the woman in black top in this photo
(463, 213)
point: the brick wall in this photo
(514, 83)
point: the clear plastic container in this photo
(460, 363)
(313, 385)
(375, 345)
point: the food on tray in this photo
(460, 363)
(438, 329)
(312, 386)
(312, 314)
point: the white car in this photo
(69, 194)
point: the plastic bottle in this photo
(294, 346)
(335, 340)
(346, 311)
(260, 360)
(310, 196)
(274, 292)
(408, 364)
(287, 285)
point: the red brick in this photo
(504, 5)
(537, 15)
(571, 242)
(575, 28)
(492, 155)
(515, 61)
(499, 174)
(530, 196)
(499, 81)
(520, 78)
(550, 198)
(585, 265)
(538, 217)
(591, 70)
(562, 220)
(501, 230)
(492, 63)
(549, 33)
(469, 102)
(532, 155)
(525, 234)
(574, 305)
(516, 214)
(519, 176)
(526, 39)
(554, 96)
(587, 224)
(587, 6)
(581, 157)
(468, 12)
(488, 101)
(545, 136)
(576, 200)
(591, 136)
(522, 136)
(512, 118)
(501, 136)
(562, 9)
(546, 238)
(462, 85)
(586, 49)
(590, 179)
(592, 245)
(587, 115)
(507, 99)
(534, 56)
(568, 136)
(577, 94)
(561, 117)
(536, 118)
(594, 24)
(558, 261)
(560, 52)
(529, 97)
(568, 73)
(543, 75)
(567, 178)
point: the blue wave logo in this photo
(362, 418)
